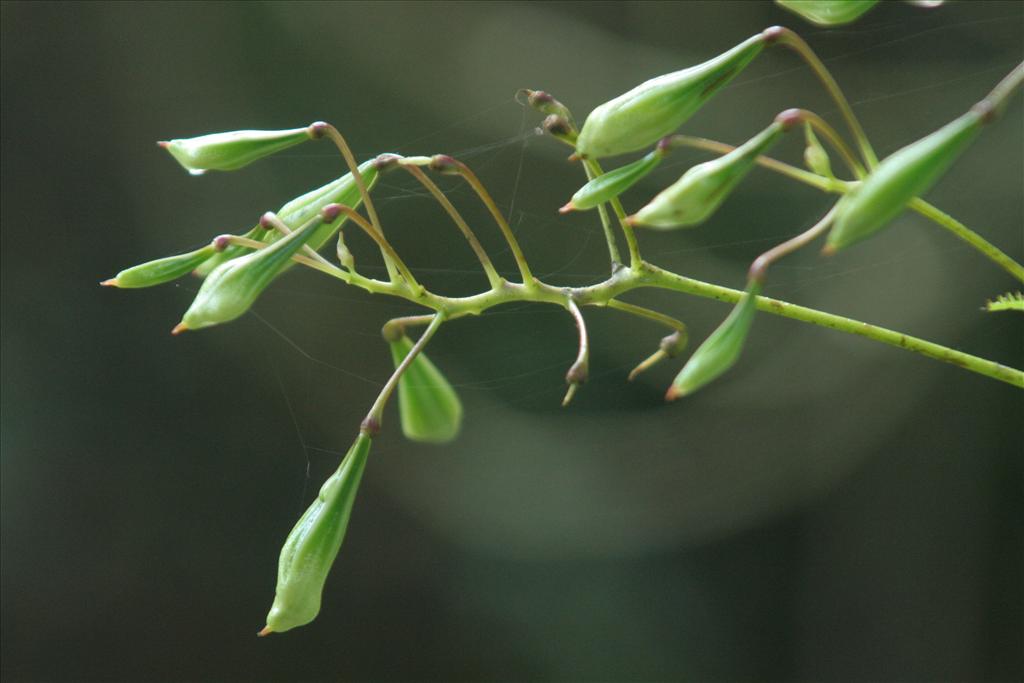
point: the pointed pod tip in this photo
(179, 328)
(829, 250)
(567, 208)
(265, 631)
(575, 156)
(112, 282)
(673, 393)
(163, 144)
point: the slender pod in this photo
(898, 179)
(313, 544)
(234, 286)
(658, 107)
(429, 408)
(609, 185)
(231, 151)
(701, 190)
(161, 270)
(721, 350)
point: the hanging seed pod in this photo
(898, 179)
(609, 185)
(720, 351)
(160, 271)
(815, 156)
(701, 190)
(299, 210)
(234, 286)
(231, 151)
(828, 12)
(313, 544)
(428, 406)
(659, 106)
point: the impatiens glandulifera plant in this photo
(238, 268)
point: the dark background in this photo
(831, 510)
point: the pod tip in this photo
(163, 144)
(567, 208)
(673, 393)
(112, 282)
(265, 631)
(179, 328)
(575, 156)
(829, 250)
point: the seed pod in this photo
(313, 544)
(720, 351)
(234, 286)
(230, 151)
(429, 408)
(160, 271)
(815, 155)
(898, 179)
(296, 212)
(828, 12)
(609, 185)
(701, 190)
(659, 106)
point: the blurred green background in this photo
(831, 510)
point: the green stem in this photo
(967, 235)
(794, 42)
(663, 279)
(641, 312)
(338, 139)
(493, 278)
(606, 225)
(374, 419)
(635, 261)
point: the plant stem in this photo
(579, 370)
(635, 260)
(374, 419)
(488, 201)
(606, 225)
(759, 268)
(656, 277)
(346, 152)
(386, 248)
(836, 140)
(794, 42)
(493, 278)
(640, 311)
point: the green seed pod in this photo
(720, 351)
(313, 544)
(815, 155)
(160, 271)
(230, 151)
(659, 106)
(297, 211)
(828, 12)
(701, 190)
(234, 286)
(898, 179)
(429, 408)
(613, 183)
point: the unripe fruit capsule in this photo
(231, 151)
(429, 408)
(658, 107)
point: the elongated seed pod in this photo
(701, 190)
(312, 546)
(658, 107)
(161, 270)
(428, 406)
(609, 185)
(294, 213)
(898, 179)
(828, 12)
(231, 151)
(234, 286)
(720, 351)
